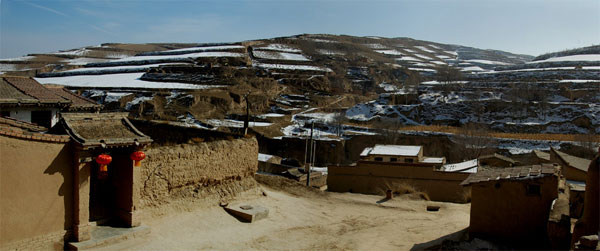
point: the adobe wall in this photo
(331, 152)
(495, 162)
(372, 178)
(184, 171)
(36, 193)
(570, 173)
(503, 211)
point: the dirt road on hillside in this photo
(331, 221)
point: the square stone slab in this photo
(247, 213)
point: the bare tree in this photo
(590, 143)
(473, 140)
(338, 119)
(447, 74)
(389, 129)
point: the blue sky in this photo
(529, 27)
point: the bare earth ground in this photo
(311, 221)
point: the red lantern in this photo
(103, 160)
(138, 157)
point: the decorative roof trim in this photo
(141, 138)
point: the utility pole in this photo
(246, 121)
(307, 169)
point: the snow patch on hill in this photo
(122, 80)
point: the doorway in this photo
(111, 201)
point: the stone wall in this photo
(188, 170)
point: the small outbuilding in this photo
(573, 168)
(513, 205)
(400, 154)
(496, 160)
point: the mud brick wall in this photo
(180, 171)
(51, 241)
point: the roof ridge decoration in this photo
(91, 130)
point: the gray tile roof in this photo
(102, 130)
(513, 173)
(15, 91)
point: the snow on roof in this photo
(366, 152)
(469, 166)
(264, 157)
(397, 150)
(433, 160)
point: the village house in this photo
(496, 160)
(25, 99)
(383, 166)
(399, 154)
(513, 205)
(541, 157)
(573, 168)
(56, 188)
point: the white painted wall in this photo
(24, 114)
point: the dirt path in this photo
(331, 221)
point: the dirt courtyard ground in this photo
(311, 221)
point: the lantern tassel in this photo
(138, 163)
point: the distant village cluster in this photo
(81, 160)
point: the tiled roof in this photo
(11, 122)
(27, 91)
(576, 162)
(23, 130)
(513, 173)
(77, 101)
(30, 87)
(102, 129)
(10, 94)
